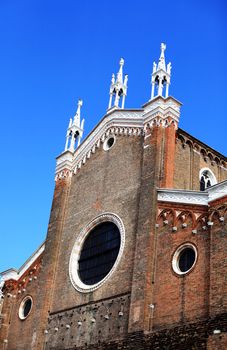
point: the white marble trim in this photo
(121, 122)
(182, 196)
(193, 197)
(75, 254)
(16, 274)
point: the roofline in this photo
(163, 98)
(100, 121)
(16, 274)
(201, 143)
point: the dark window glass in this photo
(27, 307)
(186, 259)
(202, 184)
(110, 142)
(99, 253)
(208, 183)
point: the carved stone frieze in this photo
(65, 173)
(90, 147)
(176, 220)
(181, 196)
(18, 280)
(158, 112)
(193, 197)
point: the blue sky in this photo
(53, 52)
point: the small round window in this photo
(184, 259)
(25, 307)
(108, 143)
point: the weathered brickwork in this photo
(111, 182)
(191, 336)
(16, 331)
(179, 298)
(145, 304)
(191, 156)
(92, 323)
(135, 256)
(218, 259)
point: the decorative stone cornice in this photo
(162, 111)
(182, 196)
(63, 174)
(217, 191)
(209, 155)
(116, 122)
(175, 218)
(127, 122)
(64, 165)
(13, 274)
(193, 197)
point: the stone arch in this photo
(206, 178)
(182, 140)
(204, 154)
(217, 160)
(222, 209)
(167, 217)
(223, 163)
(210, 156)
(190, 144)
(196, 147)
(214, 218)
(186, 219)
(201, 223)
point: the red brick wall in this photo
(218, 260)
(178, 298)
(124, 180)
(190, 157)
(21, 334)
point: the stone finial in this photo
(118, 87)
(113, 79)
(120, 72)
(160, 79)
(75, 130)
(76, 120)
(161, 62)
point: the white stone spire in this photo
(160, 79)
(75, 130)
(118, 87)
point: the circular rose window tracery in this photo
(96, 252)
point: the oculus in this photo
(108, 143)
(184, 259)
(97, 252)
(25, 307)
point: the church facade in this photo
(135, 254)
